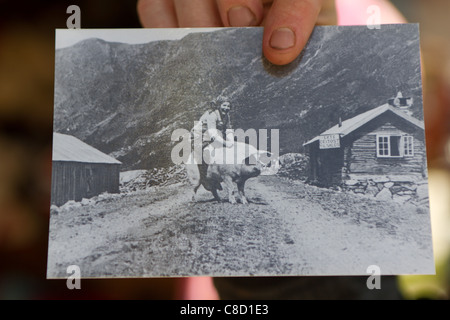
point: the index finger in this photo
(157, 13)
(288, 26)
(240, 13)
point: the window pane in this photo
(383, 146)
(408, 146)
(395, 146)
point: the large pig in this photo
(230, 174)
(227, 167)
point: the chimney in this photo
(402, 103)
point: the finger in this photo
(197, 13)
(157, 13)
(288, 25)
(240, 13)
(328, 13)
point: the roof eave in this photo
(370, 116)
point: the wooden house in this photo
(81, 171)
(383, 141)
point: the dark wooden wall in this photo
(75, 180)
(326, 165)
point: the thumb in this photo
(287, 28)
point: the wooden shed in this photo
(80, 171)
(383, 141)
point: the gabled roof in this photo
(69, 148)
(350, 125)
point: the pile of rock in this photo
(293, 166)
(131, 181)
(402, 189)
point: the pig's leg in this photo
(229, 184)
(240, 186)
(215, 194)
(195, 191)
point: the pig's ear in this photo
(251, 160)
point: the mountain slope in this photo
(126, 100)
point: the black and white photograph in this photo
(184, 152)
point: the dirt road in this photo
(288, 228)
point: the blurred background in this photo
(27, 30)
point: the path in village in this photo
(288, 228)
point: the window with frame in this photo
(395, 146)
(408, 146)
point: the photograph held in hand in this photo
(195, 156)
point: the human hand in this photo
(287, 23)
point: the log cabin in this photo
(384, 141)
(80, 170)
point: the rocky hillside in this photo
(126, 100)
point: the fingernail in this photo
(241, 17)
(282, 38)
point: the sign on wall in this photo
(329, 141)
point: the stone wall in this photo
(399, 188)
